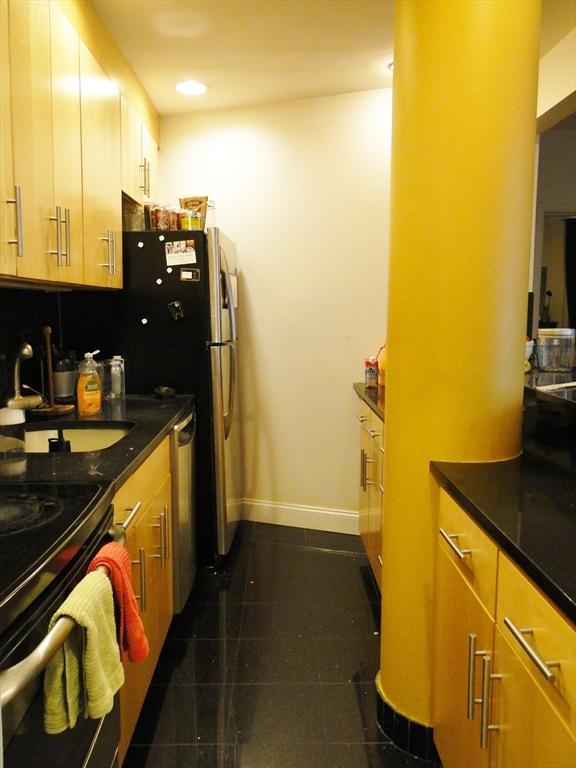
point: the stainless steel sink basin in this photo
(83, 438)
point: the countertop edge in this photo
(374, 398)
(563, 602)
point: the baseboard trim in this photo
(301, 516)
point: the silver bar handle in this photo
(68, 251)
(471, 685)
(362, 419)
(485, 727)
(362, 469)
(113, 248)
(19, 241)
(449, 538)
(146, 177)
(368, 460)
(142, 563)
(373, 432)
(14, 679)
(142, 174)
(133, 512)
(111, 263)
(166, 537)
(58, 220)
(541, 665)
(160, 525)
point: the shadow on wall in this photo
(255, 428)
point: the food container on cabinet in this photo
(555, 349)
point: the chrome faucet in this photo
(25, 352)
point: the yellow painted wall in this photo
(465, 83)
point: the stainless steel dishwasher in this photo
(183, 468)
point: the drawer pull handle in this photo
(449, 538)
(142, 563)
(133, 512)
(485, 728)
(362, 419)
(472, 654)
(542, 666)
(373, 433)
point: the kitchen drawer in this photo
(479, 565)
(143, 484)
(529, 734)
(521, 605)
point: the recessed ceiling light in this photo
(191, 88)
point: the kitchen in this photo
(289, 246)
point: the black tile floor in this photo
(272, 662)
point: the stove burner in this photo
(20, 512)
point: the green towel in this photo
(86, 671)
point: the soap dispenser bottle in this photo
(88, 386)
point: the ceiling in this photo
(252, 51)
(256, 51)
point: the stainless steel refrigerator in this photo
(175, 324)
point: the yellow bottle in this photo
(88, 386)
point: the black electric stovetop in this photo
(42, 528)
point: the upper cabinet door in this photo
(101, 171)
(31, 93)
(149, 164)
(132, 172)
(68, 265)
(8, 215)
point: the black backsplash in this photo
(81, 321)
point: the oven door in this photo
(92, 743)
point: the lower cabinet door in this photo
(530, 734)
(459, 616)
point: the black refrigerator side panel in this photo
(159, 323)
(165, 321)
(165, 316)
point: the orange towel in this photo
(131, 635)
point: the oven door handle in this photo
(14, 679)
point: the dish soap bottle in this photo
(88, 386)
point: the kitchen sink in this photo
(83, 438)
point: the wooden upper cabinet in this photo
(101, 169)
(31, 106)
(8, 224)
(149, 164)
(132, 172)
(139, 156)
(68, 264)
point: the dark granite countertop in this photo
(80, 487)
(527, 505)
(152, 419)
(372, 396)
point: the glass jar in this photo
(114, 382)
(555, 349)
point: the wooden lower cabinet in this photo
(371, 487)
(530, 734)
(459, 616)
(149, 545)
(517, 718)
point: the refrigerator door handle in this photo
(231, 307)
(229, 414)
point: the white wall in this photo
(302, 187)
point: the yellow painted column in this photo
(464, 122)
